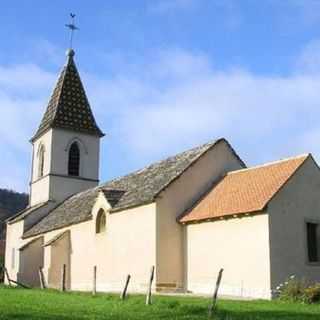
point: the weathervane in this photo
(72, 28)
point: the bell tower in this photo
(66, 145)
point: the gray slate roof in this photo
(74, 210)
(69, 107)
(144, 185)
(137, 188)
(25, 212)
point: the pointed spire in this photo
(68, 107)
(70, 53)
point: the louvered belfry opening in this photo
(74, 160)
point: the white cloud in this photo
(15, 171)
(43, 51)
(174, 100)
(310, 141)
(176, 63)
(178, 99)
(24, 78)
(24, 90)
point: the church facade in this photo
(188, 215)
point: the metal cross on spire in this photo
(72, 28)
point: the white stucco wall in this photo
(127, 247)
(89, 153)
(174, 200)
(40, 187)
(13, 243)
(46, 141)
(297, 202)
(63, 187)
(56, 184)
(238, 245)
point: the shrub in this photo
(312, 294)
(291, 290)
(296, 290)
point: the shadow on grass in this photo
(195, 314)
(20, 316)
(18, 304)
(264, 315)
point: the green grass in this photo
(48, 305)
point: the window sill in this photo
(313, 264)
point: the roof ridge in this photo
(304, 155)
(61, 78)
(211, 143)
(55, 86)
(207, 146)
(86, 98)
(252, 192)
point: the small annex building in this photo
(188, 215)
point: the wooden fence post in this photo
(7, 275)
(63, 278)
(148, 299)
(20, 284)
(41, 277)
(212, 307)
(94, 289)
(13, 281)
(124, 292)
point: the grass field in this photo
(49, 305)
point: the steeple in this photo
(66, 146)
(68, 107)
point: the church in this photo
(188, 216)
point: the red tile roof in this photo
(244, 191)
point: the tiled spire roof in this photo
(69, 107)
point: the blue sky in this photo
(165, 75)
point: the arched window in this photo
(101, 222)
(41, 161)
(74, 160)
